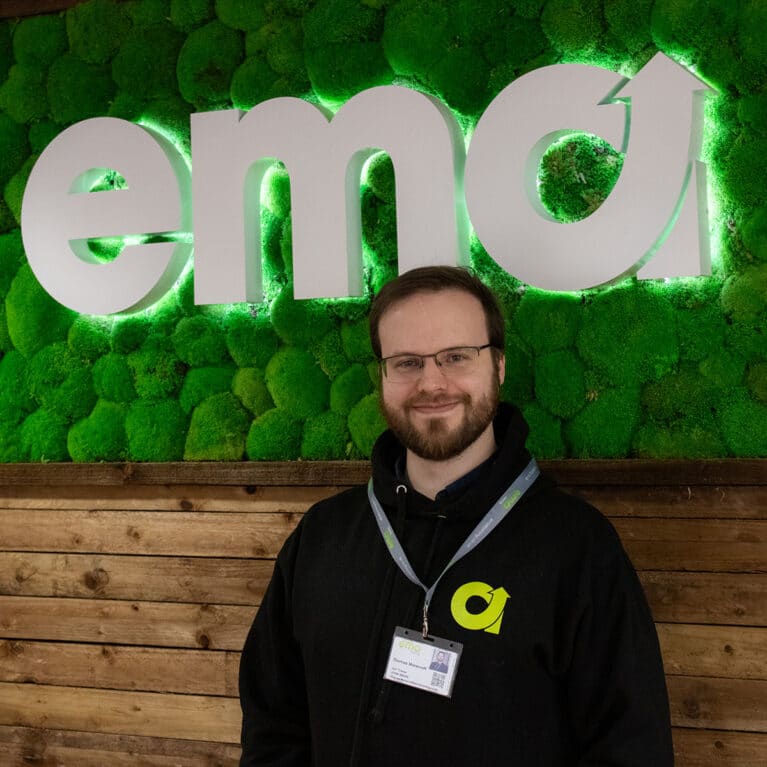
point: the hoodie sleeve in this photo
(616, 686)
(275, 725)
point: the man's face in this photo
(434, 416)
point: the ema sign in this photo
(653, 223)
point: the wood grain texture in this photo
(718, 748)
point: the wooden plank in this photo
(717, 748)
(717, 651)
(623, 472)
(153, 579)
(149, 714)
(706, 502)
(190, 534)
(729, 598)
(158, 624)
(718, 704)
(148, 669)
(734, 545)
(24, 746)
(265, 498)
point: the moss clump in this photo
(743, 423)
(629, 22)
(34, 318)
(77, 90)
(112, 378)
(88, 337)
(41, 134)
(11, 258)
(559, 383)
(241, 14)
(681, 394)
(207, 61)
(100, 436)
(188, 14)
(250, 339)
(723, 369)
(756, 379)
(14, 189)
(349, 388)
(157, 372)
(297, 383)
(147, 13)
(547, 322)
(145, 65)
(605, 427)
(379, 228)
(277, 198)
(518, 384)
(44, 436)
(745, 164)
(355, 338)
(39, 40)
(380, 177)
(95, 29)
(545, 438)
(249, 386)
(256, 81)
(343, 50)
(699, 331)
(753, 232)
(299, 322)
(199, 341)
(156, 431)
(274, 436)
(574, 26)
(23, 96)
(218, 429)
(128, 333)
(14, 148)
(325, 437)
(330, 355)
(15, 396)
(682, 439)
(60, 383)
(744, 295)
(201, 383)
(11, 450)
(627, 334)
(366, 424)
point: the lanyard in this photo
(486, 525)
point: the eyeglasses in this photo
(453, 362)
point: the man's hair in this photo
(434, 279)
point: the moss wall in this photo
(652, 369)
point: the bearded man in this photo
(458, 546)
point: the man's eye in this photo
(455, 358)
(407, 363)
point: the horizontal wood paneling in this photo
(718, 748)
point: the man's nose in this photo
(431, 375)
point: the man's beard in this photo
(436, 441)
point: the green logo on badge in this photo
(490, 618)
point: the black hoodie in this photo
(572, 677)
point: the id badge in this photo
(428, 664)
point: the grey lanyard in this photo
(486, 525)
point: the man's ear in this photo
(501, 369)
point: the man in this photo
(457, 545)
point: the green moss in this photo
(34, 318)
(11, 450)
(112, 378)
(299, 322)
(206, 64)
(199, 341)
(78, 90)
(355, 338)
(547, 321)
(349, 388)
(692, 440)
(14, 189)
(11, 258)
(218, 430)
(723, 369)
(95, 29)
(241, 14)
(23, 95)
(325, 437)
(744, 295)
(559, 383)
(699, 330)
(100, 436)
(250, 338)
(147, 13)
(379, 228)
(145, 65)
(44, 436)
(753, 232)
(685, 26)
(14, 391)
(156, 431)
(545, 438)
(577, 174)
(605, 427)
(629, 22)
(274, 436)
(743, 423)
(756, 379)
(681, 394)
(88, 337)
(41, 134)
(296, 383)
(129, 332)
(329, 353)
(518, 385)
(271, 245)
(253, 82)
(628, 334)
(745, 164)
(277, 186)
(187, 14)
(380, 177)
(366, 424)
(574, 26)
(39, 40)
(752, 48)
(249, 386)
(201, 383)
(157, 372)
(6, 47)
(285, 52)
(14, 148)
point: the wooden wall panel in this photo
(126, 592)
